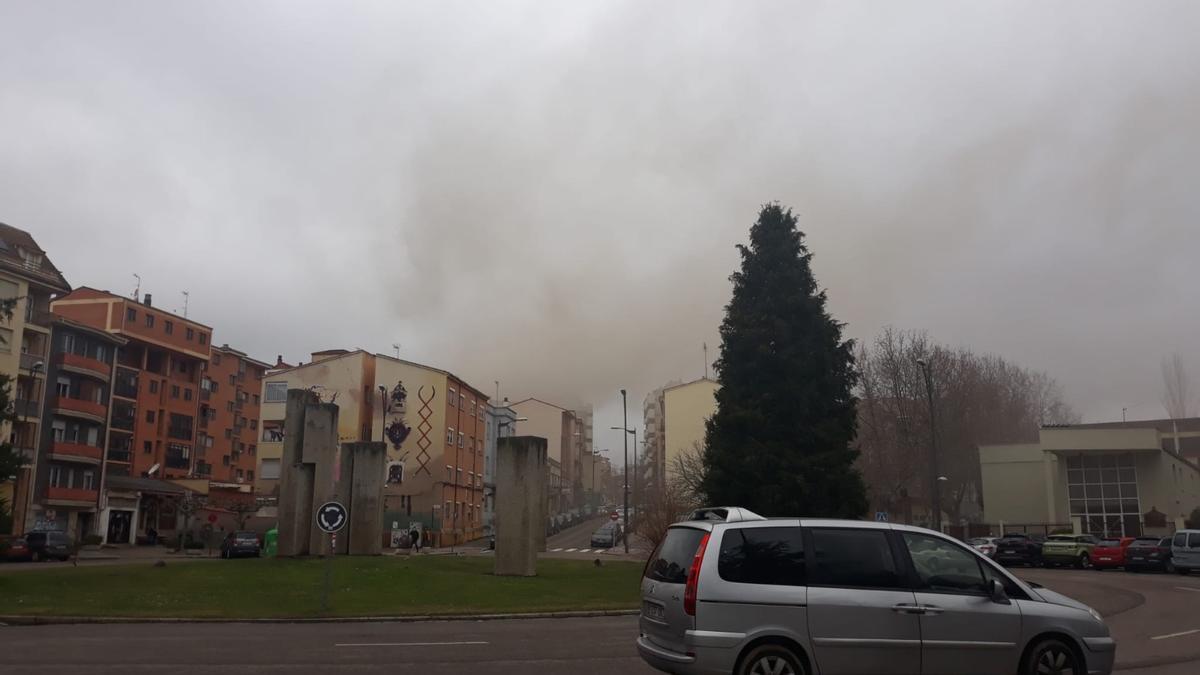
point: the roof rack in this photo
(724, 514)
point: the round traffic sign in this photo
(331, 517)
(614, 516)
(212, 517)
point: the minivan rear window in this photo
(1194, 540)
(858, 558)
(1180, 540)
(762, 555)
(673, 558)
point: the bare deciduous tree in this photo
(979, 400)
(660, 510)
(687, 473)
(1177, 395)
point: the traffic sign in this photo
(331, 517)
(614, 517)
(212, 517)
(881, 516)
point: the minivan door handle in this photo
(907, 608)
(931, 609)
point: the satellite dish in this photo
(153, 470)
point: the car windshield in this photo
(1144, 543)
(1109, 543)
(1061, 537)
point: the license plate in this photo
(1009, 551)
(653, 611)
(1106, 558)
(1138, 559)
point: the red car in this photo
(1110, 553)
(14, 549)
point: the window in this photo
(183, 366)
(1103, 493)
(190, 335)
(673, 558)
(854, 558)
(451, 398)
(269, 469)
(131, 314)
(62, 387)
(187, 394)
(203, 338)
(1193, 540)
(89, 480)
(169, 327)
(101, 353)
(147, 448)
(462, 438)
(216, 358)
(943, 566)
(149, 417)
(232, 380)
(253, 424)
(229, 406)
(241, 475)
(224, 460)
(253, 449)
(255, 398)
(56, 475)
(458, 476)
(174, 391)
(450, 436)
(249, 475)
(275, 392)
(149, 321)
(153, 386)
(762, 555)
(472, 408)
(228, 433)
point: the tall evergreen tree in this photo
(779, 442)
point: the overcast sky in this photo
(549, 194)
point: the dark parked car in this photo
(1016, 548)
(1149, 553)
(606, 536)
(13, 549)
(48, 546)
(238, 544)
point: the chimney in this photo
(146, 299)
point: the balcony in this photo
(74, 452)
(25, 409)
(83, 365)
(177, 462)
(75, 407)
(122, 424)
(37, 317)
(62, 496)
(116, 455)
(28, 361)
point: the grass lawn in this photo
(282, 588)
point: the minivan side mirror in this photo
(997, 593)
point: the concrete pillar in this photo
(295, 480)
(321, 451)
(520, 504)
(366, 479)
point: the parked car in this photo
(1149, 553)
(1069, 549)
(1110, 553)
(48, 546)
(13, 549)
(1016, 548)
(606, 536)
(985, 545)
(1185, 551)
(238, 544)
(749, 595)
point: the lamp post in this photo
(935, 483)
(625, 489)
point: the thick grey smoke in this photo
(548, 194)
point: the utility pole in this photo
(625, 433)
(936, 485)
(706, 360)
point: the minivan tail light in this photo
(693, 578)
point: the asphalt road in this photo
(1155, 618)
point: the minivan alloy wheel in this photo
(771, 665)
(1054, 658)
(771, 660)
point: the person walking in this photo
(415, 537)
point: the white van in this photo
(1185, 551)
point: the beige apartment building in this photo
(1110, 479)
(568, 437)
(433, 422)
(685, 410)
(27, 276)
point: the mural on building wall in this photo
(397, 430)
(425, 395)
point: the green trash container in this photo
(271, 542)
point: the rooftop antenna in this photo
(185, 304)
(138, 288)
(396, 346)
(705, 347)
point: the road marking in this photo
(407, 644)
(584, 550)
(570, 550)
(1188, 588)
(1175, 635)
(555, 550)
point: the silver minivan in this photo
(729, 591)
(1185, 551)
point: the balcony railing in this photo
(37, 317)
(71, 494)
(79, 406)
(25, 408)
(123, 423)
(66, 450)
(180, 433)
(177, 462)
(84, 364)
(28, 361)
(115, 455)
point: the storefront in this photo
(139, 510)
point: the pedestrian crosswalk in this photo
(576, 550)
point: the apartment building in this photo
(674, 418)
(28, 277)
(157, 392)
(228, 435)
(70, 452)
(433, 422)
(564, 433)
(500, 421)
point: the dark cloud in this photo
(549, 194)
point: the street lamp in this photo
(625, 489)
(936, 483)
